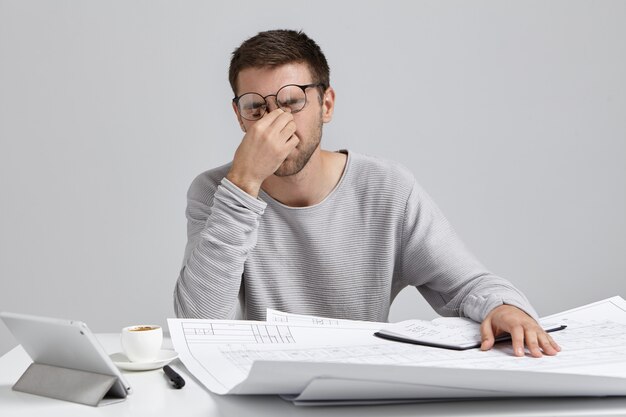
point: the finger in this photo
(269, 117)
(486, 335)
(281, 120)
(288, 130)
(291, 143)
(517, 336)
(546, 344)
(281, 128)
(530, 338)
(267, 120)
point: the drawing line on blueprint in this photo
(228, 333)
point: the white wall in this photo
(511, 114)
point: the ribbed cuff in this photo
(256, 205)
(478, 307)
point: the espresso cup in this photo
(142, 343)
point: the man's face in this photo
(309, 120)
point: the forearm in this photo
(475, 296)
(447, 274)
(210, 279)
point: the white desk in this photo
(153, 396)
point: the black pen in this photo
(176, 379)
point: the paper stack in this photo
(314, 360)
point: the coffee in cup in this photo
(142, 343)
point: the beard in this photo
(305, 150)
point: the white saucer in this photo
(163, 358)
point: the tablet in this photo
(64, 343)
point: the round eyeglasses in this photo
(291, 98)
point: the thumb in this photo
(486, 335)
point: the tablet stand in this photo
(69, 385)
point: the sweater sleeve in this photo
(219, 239)
(451, 279)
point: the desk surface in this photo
(155, 397)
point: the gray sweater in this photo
(346, 257)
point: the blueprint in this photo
(315, 358)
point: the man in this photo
(293, 227)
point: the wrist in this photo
(251, 187)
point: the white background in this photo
(511, 114)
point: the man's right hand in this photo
(264, 147)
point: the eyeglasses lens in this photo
(252, 106)
(291, 98)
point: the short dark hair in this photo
(274, 48)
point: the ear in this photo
(328, 105)
(239, 119)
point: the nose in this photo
(271, 103)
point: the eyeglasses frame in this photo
(303, 87)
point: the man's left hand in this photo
(522, 328)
